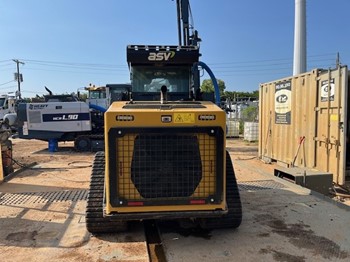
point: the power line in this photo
(71, 64)
(287, 60)
(218, 65)
(73, 72)
(81, 68)
(264, 65)
(6, 64)
(7, 82)
(7, 87)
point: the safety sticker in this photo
(184, 118)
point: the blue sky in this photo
(67, 44)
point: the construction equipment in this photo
(59, 118)
(83, 121)
(164, 154)
(103, 96)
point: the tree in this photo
(250, 113)
(235, 94)
(207, 86)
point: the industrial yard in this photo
(152, 162)
(43, 217)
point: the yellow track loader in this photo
(164, 154)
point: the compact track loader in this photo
(165, 154)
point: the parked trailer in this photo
(54, 119)
(304, 123)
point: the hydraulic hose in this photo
(213, 79)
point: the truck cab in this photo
(7, 105)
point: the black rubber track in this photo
(233, 218)
(95, 221)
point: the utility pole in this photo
(18, 77)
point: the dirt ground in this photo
(68, 162)
(66, 165)
(42, 208)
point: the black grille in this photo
(166, 165)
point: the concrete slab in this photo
(286, 223)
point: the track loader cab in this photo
(165, 154)
(152, 67)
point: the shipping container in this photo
(303, 122)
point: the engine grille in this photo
(165, 166)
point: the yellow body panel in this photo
(152, 118)
(166, 208)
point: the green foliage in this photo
(250, 113)
(207, 86)
(241, 127)
(234, 94)
(83, 96)
(36, 99)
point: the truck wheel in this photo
(82, 144)
(95, 221)
(233, 218)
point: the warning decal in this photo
(184, 118)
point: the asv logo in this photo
(161, 56)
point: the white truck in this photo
(7, 105)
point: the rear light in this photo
(135, 203)
(197, 201)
